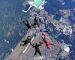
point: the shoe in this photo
(41, 57)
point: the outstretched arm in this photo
(40, 43)
(32, 44)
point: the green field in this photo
(38, 2)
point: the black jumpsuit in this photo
(37, 50)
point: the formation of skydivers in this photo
(36, 45)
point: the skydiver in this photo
(37, 50)
(36, 22)
(25, 42)
(27, 24)
(48, 44)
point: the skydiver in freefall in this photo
(25, 42)
(48, 44)
(33, 25)
(37, 50)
